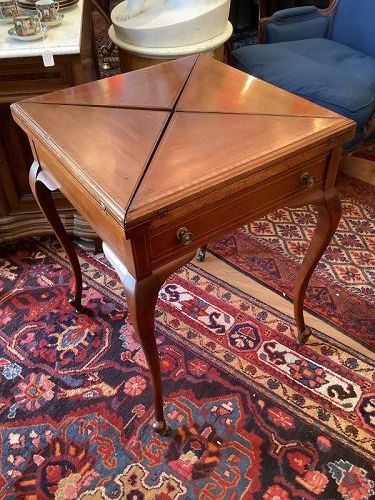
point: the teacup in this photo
(26, 25)
(47, 10)
(8, 8)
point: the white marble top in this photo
(62, 39)
(172, 52)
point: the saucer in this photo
(55, 22)
(68, 5)
(30, 5)
(6, 20)
(28, 38)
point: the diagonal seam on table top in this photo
(156, 145)
(120, 87)
(176, 110)
(26, 113)
(120, 82)
(170, 197)
(280, 115)
(171, 112)
(119, 211)
(103, 106)
(141, 108)
(101, 194)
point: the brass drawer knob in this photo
(184, 236)
(307, 180)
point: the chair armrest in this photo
(370, 129)
(295, 24)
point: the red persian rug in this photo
(253, 414)
(341, 290)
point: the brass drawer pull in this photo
(184, 236)
(307, 180)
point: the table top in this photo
(157, 138)
(62, 39)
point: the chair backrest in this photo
(354, 25)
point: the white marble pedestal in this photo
(135, 57)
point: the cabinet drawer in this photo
(227, 214)
(28, 76)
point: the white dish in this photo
(29, 38)
(55, 22)
(31, 7)
(169, 23)
(68, 6)
(6, 20)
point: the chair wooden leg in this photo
(43, 196)
(329, 213)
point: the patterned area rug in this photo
(254, 415)
(342, 288)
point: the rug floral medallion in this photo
(341, 290)
(253, 414)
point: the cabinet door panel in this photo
(15, 160)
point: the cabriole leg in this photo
(141, 297)
(41, 186)
(329, 213)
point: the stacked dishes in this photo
(30, 4)
(8, 9)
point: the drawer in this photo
(228, 214)
(26, 77)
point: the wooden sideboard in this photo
(20, 78)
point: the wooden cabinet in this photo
(21, 78)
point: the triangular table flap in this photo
(106, 149)
(199, 148)
(216, 87)
(156, 87)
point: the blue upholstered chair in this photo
(326, 56)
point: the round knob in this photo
(307, 180)
(184, 236)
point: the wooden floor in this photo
(362, 169)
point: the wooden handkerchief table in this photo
(162, 160)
